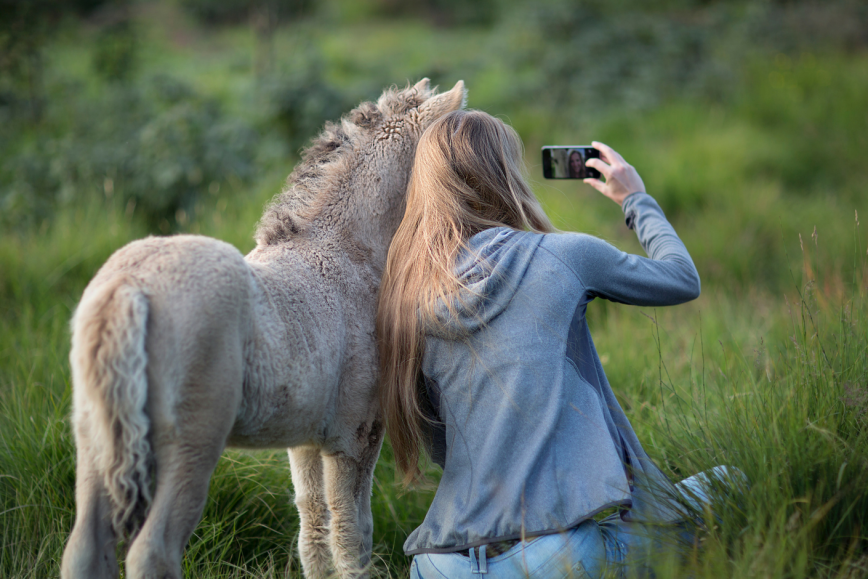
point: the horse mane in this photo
(323, 165)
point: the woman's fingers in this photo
(596, 184)
(609, 153)
(600, 166)
(621, 178)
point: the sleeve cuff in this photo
(629, 210)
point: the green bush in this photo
(589, 59)
(586, 59)
(301, 103)
(115, 52)
(222, 12)
(158, 147)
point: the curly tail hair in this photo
(109, 365)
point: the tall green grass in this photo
(777, 386)
(792, 415)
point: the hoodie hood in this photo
(491, 269)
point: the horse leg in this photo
(348, 483)
(365, 481)
(307, 478)
(345, 539)
(187, 444)
(183, 470)
(90, 551)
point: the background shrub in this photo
(300, 103)
(224, 12)
(157, 146)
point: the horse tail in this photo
(109, 368)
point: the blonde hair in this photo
(467, 177)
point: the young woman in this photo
(488, 364)
(577, 164)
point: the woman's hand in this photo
(621, 178)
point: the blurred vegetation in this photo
(228, 12)
(158, 146)
(746, 119)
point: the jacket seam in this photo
(565, 264)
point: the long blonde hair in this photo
(466, 178)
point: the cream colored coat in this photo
(182, 346)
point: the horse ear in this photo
(422, 86)
(447, 102)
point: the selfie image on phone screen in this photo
(569, 162)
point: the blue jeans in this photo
(587, 551)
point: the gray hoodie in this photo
(531, 438)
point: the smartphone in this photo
(569, 162)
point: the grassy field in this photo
(767, 370)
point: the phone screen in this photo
(569, 162)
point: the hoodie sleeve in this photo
(666, 277)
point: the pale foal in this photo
(182, 346)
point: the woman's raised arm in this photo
(666, 277)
